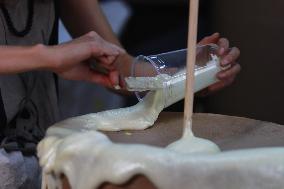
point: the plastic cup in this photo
(170, 63)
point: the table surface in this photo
(227, 131)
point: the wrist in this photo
(43, 57)
(47, 57)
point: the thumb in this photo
(210, 39)
(114, 78)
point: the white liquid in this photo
(88, 158)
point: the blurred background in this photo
(149, 27)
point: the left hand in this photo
(71, 60)
(229, 58)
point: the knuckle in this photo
(92, 34)
(234, 71)
(227, 74)
(223, 40)
(238, 68)
(236, 51)
(206, 38)
(93, 45)
(226, 42)
(230, 58)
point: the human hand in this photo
(72, 60)
(229, 58)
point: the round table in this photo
(227, 132)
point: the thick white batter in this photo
(88, 158)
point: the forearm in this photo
(16, 59)
(86, 16)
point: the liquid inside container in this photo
(170, 66)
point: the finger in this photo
(100, 79)
(203, 92)
(216, 87)
(94, 37)
(107, 60)
(101, 47)
(85, 73)
(122, 82)
(118, 48)
(111, 49)
(224, 45)
(220, 85)
(111, 80)
(231, 57)
(107, 45)
(210, 39)
(231, 72)
(102, 68)
(100, 50)
(114, 78)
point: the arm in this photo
(69, 60)
(86, 16)
(22, 59)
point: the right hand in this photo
(72, 60)
(229, 57)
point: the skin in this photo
(72, 60)
(229, 59)
(69, 60)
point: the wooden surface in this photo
(228, 132)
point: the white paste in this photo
(147, 83)
(88, 158)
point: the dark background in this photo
(257, 28)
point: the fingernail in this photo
(117, 87)
(215, 34)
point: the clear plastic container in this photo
(174, 63)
